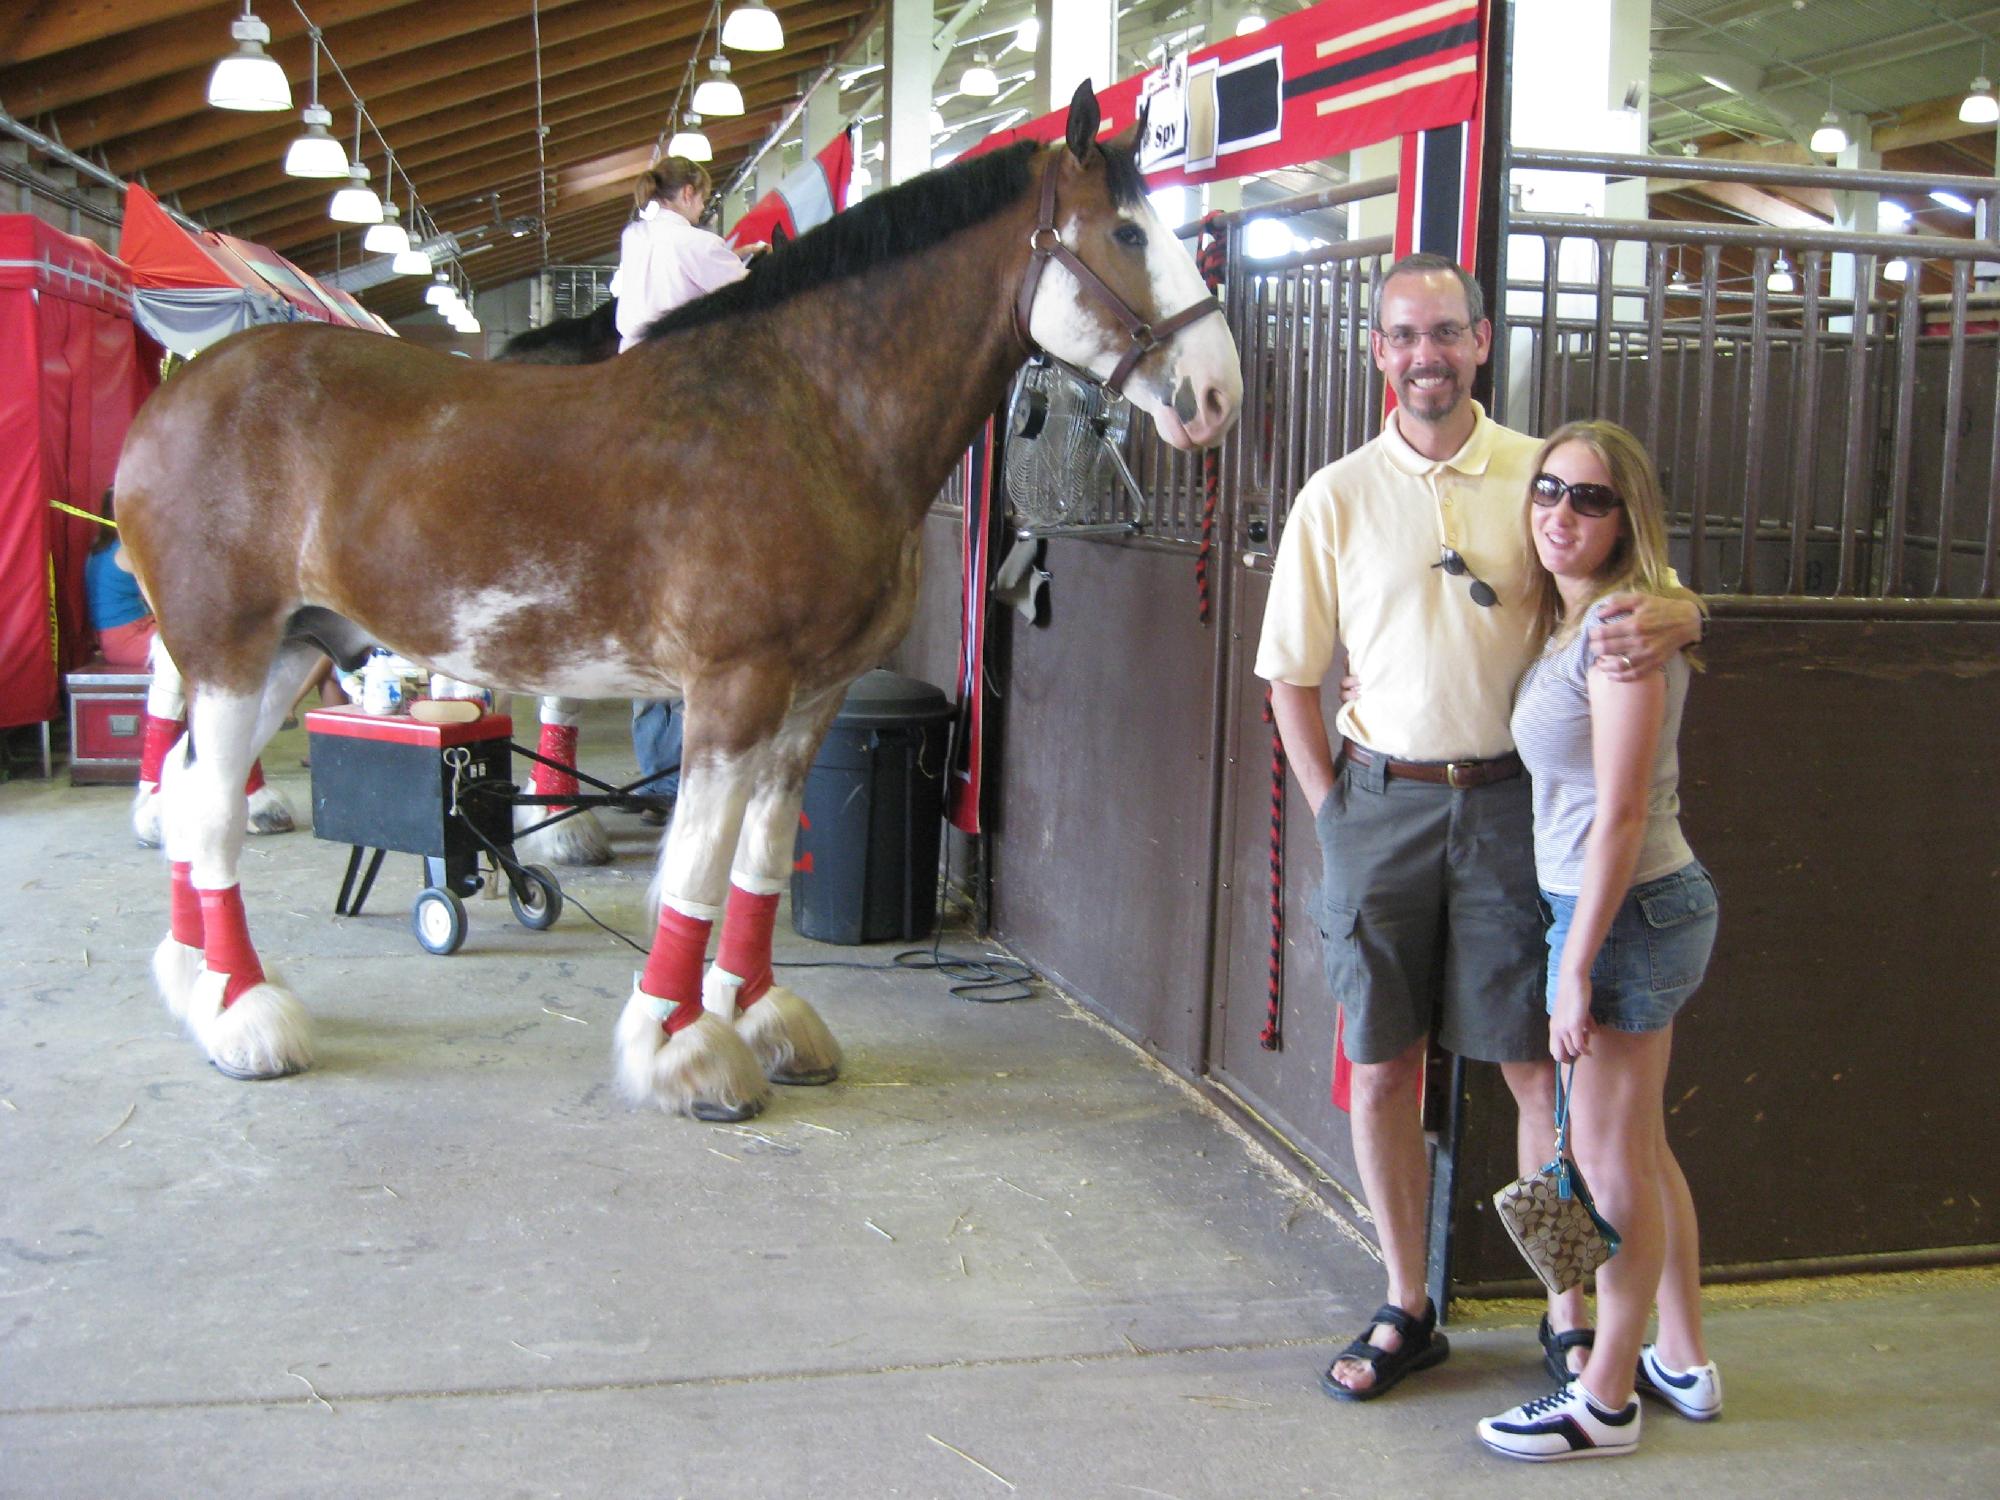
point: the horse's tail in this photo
(585, 340)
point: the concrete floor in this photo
(1003, 1255)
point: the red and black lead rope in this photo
(1272, 1037)
(1212, 259)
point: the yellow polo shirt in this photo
(1354, 566)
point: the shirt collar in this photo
(1470, 459)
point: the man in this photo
(1411, 552)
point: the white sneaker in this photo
(1563, 1424)
(1696, 1394)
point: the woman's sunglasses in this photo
(1585, 499)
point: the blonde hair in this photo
(667, 178)
(1638, 562)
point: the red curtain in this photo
(70, 379)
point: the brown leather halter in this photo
(1046, 245)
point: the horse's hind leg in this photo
(791, 1042)
(578, 839)
(669, 1049)
(249, 1026)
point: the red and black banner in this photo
(1342, 74)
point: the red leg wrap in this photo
(747, 923)
(558, 742)
(673, 968)
(254, 782)
(158, 739)
(226, 942)
(185, 924)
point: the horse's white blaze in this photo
(1203, 353)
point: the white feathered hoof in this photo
(175, 968)
(265, 1034)
(146, 815)
(577, 840)
(270, 812)
(703, 1070)
(790, 1041)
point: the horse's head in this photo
(1147, 328)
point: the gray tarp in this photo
(188, 320)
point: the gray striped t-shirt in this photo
(1552, 731)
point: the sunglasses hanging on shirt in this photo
(1593, 500)
(1482, 591)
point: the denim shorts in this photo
(1655, 955)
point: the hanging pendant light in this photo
(356, 203)
(249, 78)
(753, 27)
(1979, 107)
(979, 81)
(1781, 278)
(388, 237)
(1831, 137)
(1896, 270)
(440, 291)
(718, 94)
(413, 260)
(689, 142)
(316, 153)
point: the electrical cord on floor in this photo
(989, 979)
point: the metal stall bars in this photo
(1774, 490)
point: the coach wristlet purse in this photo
(1549, 1215)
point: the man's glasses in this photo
(1592, 500)
(1482, 592)
(1445, 336)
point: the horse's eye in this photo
(1131, 235)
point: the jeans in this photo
(656, 740)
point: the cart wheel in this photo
(437, 917)
(536, 899)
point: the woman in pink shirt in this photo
(665, 258)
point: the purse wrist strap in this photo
(1565, 1077)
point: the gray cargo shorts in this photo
(1430, 916)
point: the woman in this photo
(1634, 922)
(664, 259)
(118, 611)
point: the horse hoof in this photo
(702, 1067)
(264, 1034)
(270, 812)
(578, 840)
(245, 1075)
(724, 1114)
(808, 1078)
(791, 1042)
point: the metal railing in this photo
(1812, 442)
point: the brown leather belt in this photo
(1452, 773)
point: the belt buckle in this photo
(1458, 774)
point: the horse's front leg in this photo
(792, 1043)
(669, 1049)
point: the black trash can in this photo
(867, 864)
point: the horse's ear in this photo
(1083, 120)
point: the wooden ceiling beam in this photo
(195, 39)
(643, 80)
(42, 30)
(302, 224)
(409, 48)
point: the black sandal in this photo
(1556, 1347)
(1422, 1347)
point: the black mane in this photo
(896, 222)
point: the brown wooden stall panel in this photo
(930, 651)
(1100, 839)
(1290, 1088)
(1833, 1083)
